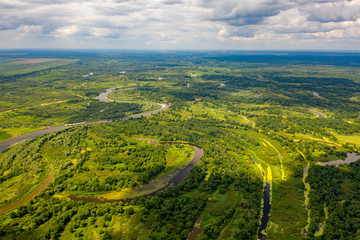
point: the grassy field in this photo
(20, 66)
(353, 139)
(7, 133)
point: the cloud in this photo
(245, 12)
(334, 11)
(172, 1)
(179, 23)
(66, 31)
(288, 21)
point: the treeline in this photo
(335, 190)
(169, 215)
(129, 163)
(314, 126)
(96, 110)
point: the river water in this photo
(10, 142)
(351, 157)
(101, 97)
(152, 188)
(320, 115)
(28, 197)
(265, 212)
(266, 205)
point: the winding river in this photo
(320, 115)
(12, 141)
(102, 97)
(154, 186)
(151, 188)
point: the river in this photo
(265, 212)
(10, 142)
(351, 157)
(153, 187)
(266, 207)
(320, 115)
(103, 96)
(30, 196)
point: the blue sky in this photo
(181, 24)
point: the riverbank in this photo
(30, 196)
(351, 157)
(151, 188)
(320, 115)
(13, 141)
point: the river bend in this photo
(12, 141)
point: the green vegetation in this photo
(334, 200)
(60, 95)
(4, 135)
(21, 66)
(250, 114)
(133, 96)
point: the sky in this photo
(181, 24)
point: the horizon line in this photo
(185, 50)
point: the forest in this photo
(185, 145)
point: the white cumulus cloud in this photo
(205, 24)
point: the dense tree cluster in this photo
(335, 190)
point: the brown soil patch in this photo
(30, 196)
(35, 60)
(197, 230)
